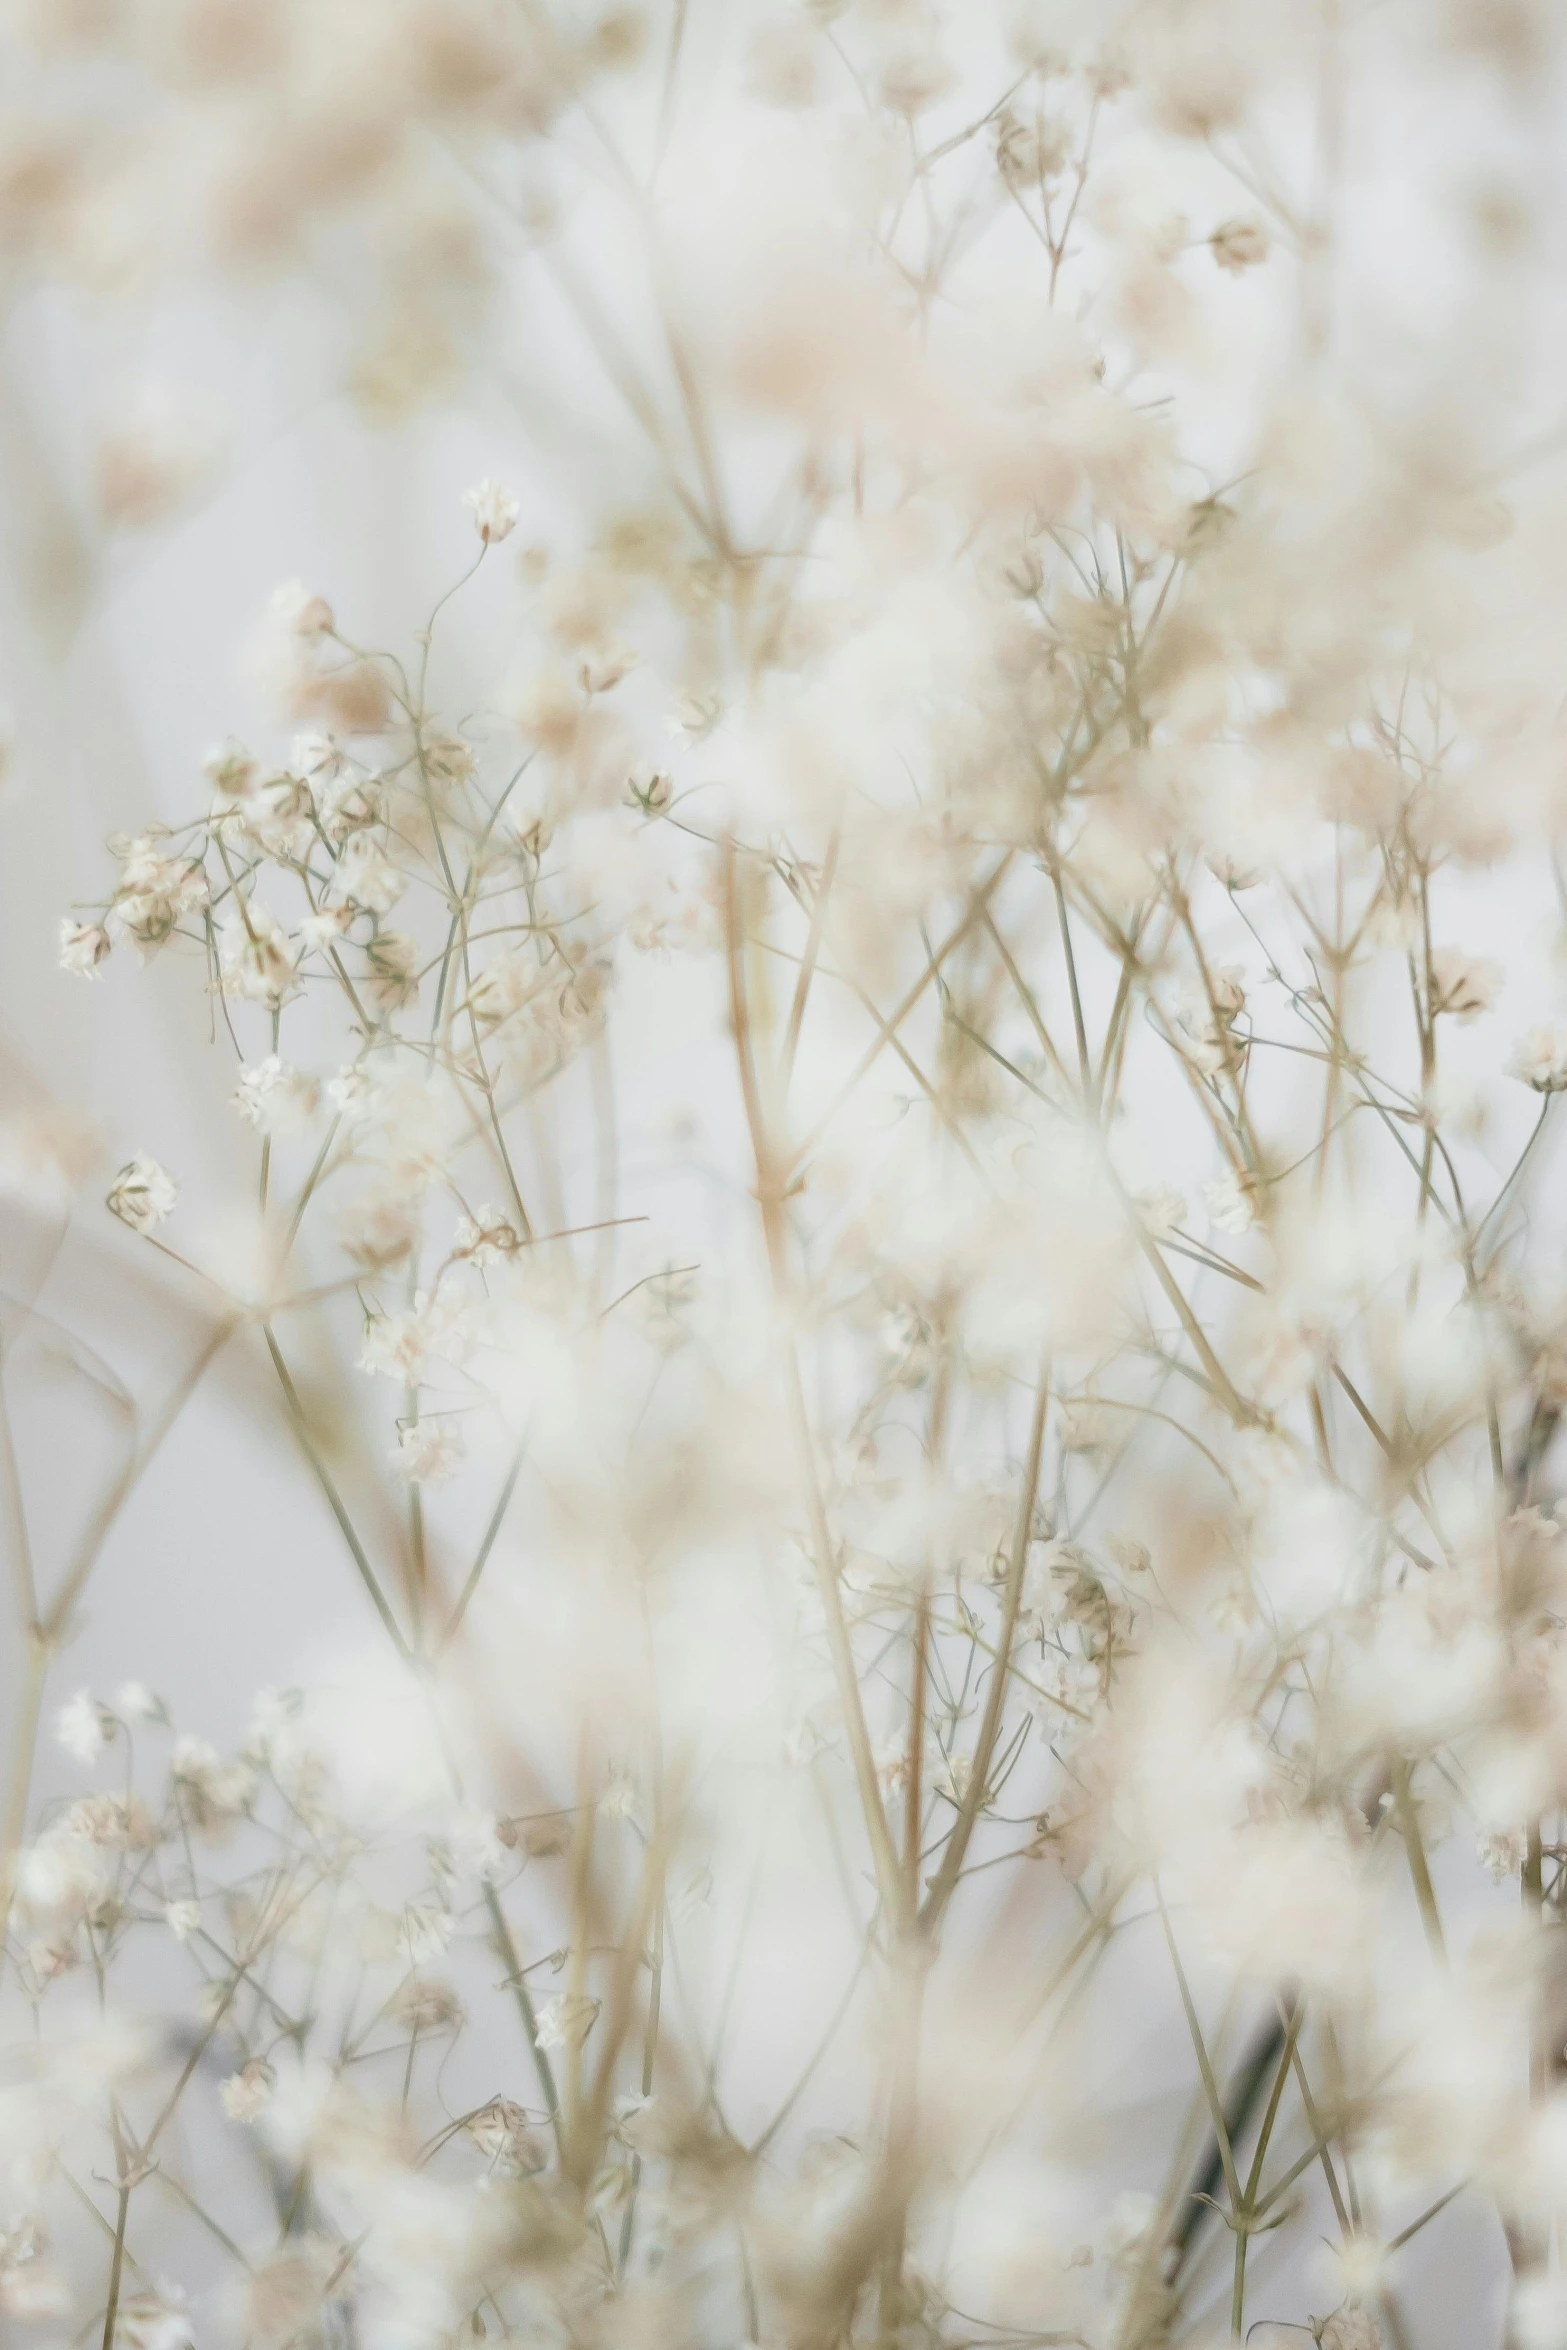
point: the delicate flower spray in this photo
(938, 1235)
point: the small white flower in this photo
(257, 960)
(494, 511)
(1502, 1851)
(137, 1703)
(424, 1930)
(430, 1451)
(619, 1799)
(484, 1236)
(1232, 1203)
(474, 1842)
(79, 1727)
(1539, 1058)
(1351, 2328)
(249, 2091)
(142, 1194)
(366, 878)
(1163, 1210)
(182, 1918)
(695, 716)
(83, 946)
(1239, 245)
(276, 1098)
(306, 613)
(1463, 986)
(566, 2020)
(230, 770)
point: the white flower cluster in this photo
(884, 1208)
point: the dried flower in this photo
(1463, 985)
(143, 1194)
(83, 946)
(494, 511)
(276, 1098)
(83, 1728)
(430, 1452)
(248, 2092)
(1539, 1058)
(1239, 245)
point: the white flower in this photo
(566, 2019)
(306, 613)
(430, 1451)
(366, 876)
(1502, 1851)
(230, 769)
(249, 2091)
(79, 1727)
(142, 1194)
(1239, 245)
(1351, 2328)
(137, 1703)
(83, 946)
(424, 1930)
(182, 1918)
(153, 2321)
(1462, 985)
(485, 1236)
(1232, 1203)
(474, 1842)
(494, 511)
(257, 959)
(276, 1098)
(1163, 1210)
(619, 1799)
(1539, 1058)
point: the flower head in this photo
(1539, 1058)
(494, 510)
(83, 946)
(143, 1194)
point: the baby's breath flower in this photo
(183, 1918)
(1463, 985)
(366, 877)
(143, 1194)
(1232, 1202)
(306, 613)
(494, 511)
(1239, 245)
(276, 1098)
(1354, 2327)
(485, 1236)
(430, 1452)
(1502, 1851)
(248, 2092)
(424, 1931)
(82, 1727)
(231, 771)
(257, 959)
(502, 2133)
(1539, 1058)
(83, 946)
(566, 2020)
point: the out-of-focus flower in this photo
(1539, 1058)
(494, 511)
(430, 1452)
(81, 1727)
(143, 1194)
(249, 2091)
(83, 946)
(1463, 986)
(1239, 245)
